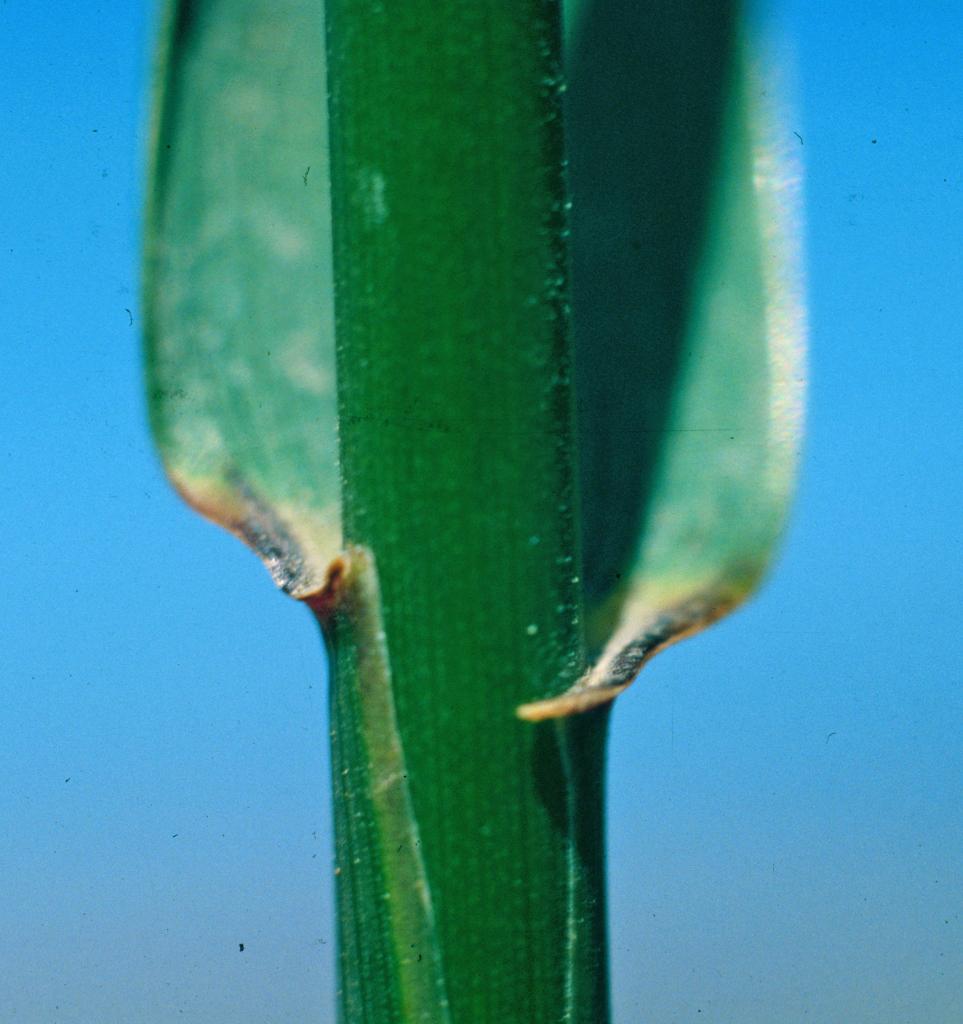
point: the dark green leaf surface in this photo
(240, 341)
(647, 88)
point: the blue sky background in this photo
(786, 833)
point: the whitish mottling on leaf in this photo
(238, 290)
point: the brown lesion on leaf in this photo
(286, 539)
(637, 642)
(325, 601)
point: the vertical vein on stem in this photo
(349, 606)
(571, 868)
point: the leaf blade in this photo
(239, 338)
(730, 445)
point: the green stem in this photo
(457, 459)
(371, 783)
